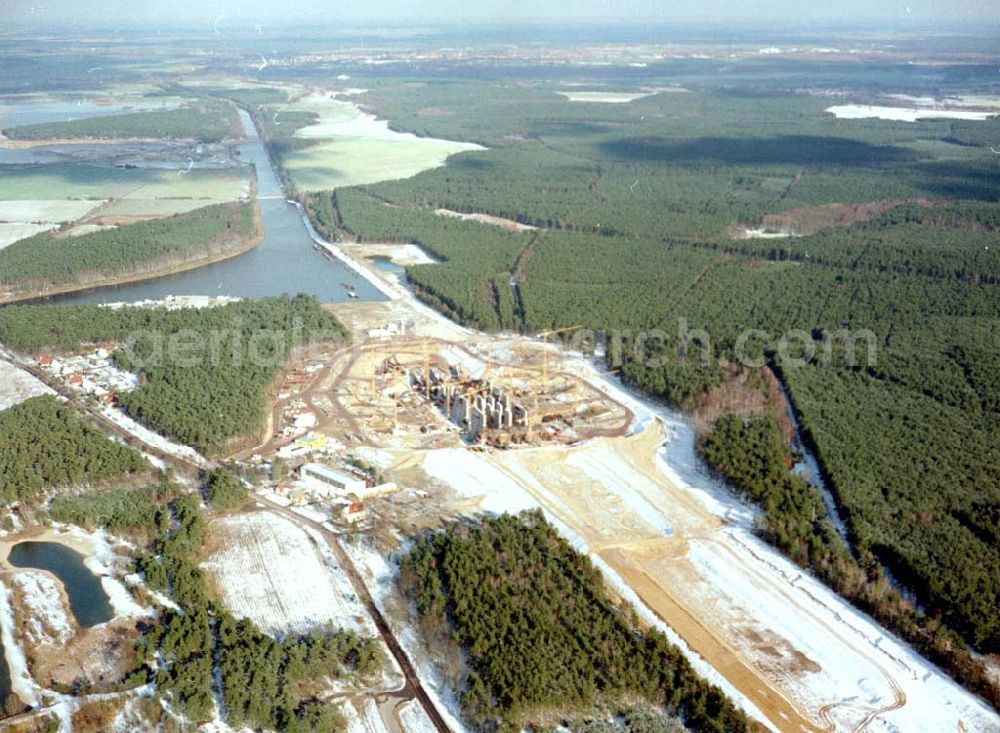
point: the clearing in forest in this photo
(266, 568)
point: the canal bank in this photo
(285, 261)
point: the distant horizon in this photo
(733, 30)
(737, 16)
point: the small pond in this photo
(87, 599)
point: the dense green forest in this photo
(638, 204)
(120, 510)
(265, 683)
(205, 120)
(224, 490)
(752, 456)
(45, 260)
(205, 372)
(539, 632)
(45, 444)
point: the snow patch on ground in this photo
(903, 114)
(20, 680)
(379, 577)
(105, 563)
(471, 476)
(149, 437)
(414, 719)
(605, 97)
(402, 254)
(16, 385)
(372, 720)
(352, 719)
(46, 620)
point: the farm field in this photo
(267, 569)
(11, 232)
(63, 182)
(351, 147)
(95, 197)
(23, 219)
(16, 385)
(904, 114)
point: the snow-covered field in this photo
(46, 620)
(16, 385)
(903, 114)
(605, 97)
(12, 231)
(24, 218)
(269, 570)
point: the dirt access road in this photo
(413, 689)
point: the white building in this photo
(341, 481)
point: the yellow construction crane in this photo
(545, 351)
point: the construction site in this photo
(396, 390)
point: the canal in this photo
(284, 262)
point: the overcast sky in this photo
(249, 12)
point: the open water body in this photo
(14, 112)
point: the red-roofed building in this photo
(354, 512)
(44, 360)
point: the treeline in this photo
(264, 683)
(46, 260)
(120, 510)
(205, 120)
(753, 458)
(948, 241)
(49, 445)
(466, 285)
(209, 388)
(539, 632)
(943, 542)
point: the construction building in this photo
(475, 405)
(340, 481)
